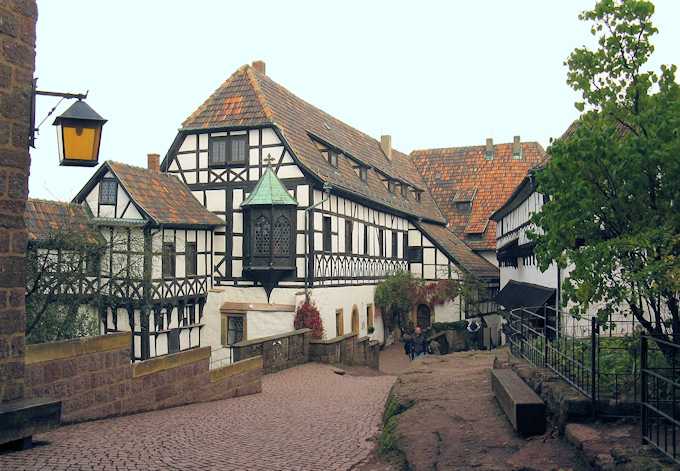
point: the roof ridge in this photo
(482, 146)
(204, 105)
(43, 200)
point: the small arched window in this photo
(282, 235)
(262, 235)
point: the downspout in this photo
(327, 190)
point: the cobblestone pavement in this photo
(307, 418)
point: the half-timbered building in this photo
(469, 183)
(156, 269)
(308, 202)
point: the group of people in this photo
(415, 343)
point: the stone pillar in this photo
(17, 63)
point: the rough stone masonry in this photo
(17, 63)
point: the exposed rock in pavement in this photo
(614, 446)
(445, 417)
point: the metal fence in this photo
(660, 418)
(599, 360)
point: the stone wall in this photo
(93, 377)
(278, 352)
(17, 63)
(346, 350)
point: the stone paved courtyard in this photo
(307, 418)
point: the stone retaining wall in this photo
(93, 377)
(278, 352)
(346, 350)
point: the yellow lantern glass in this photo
(79, 135)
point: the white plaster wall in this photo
(489, 256)
(448, 312)
(265, 324)
(529, 274)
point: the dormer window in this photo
(227, 150)
(404, 191)
(333, 158)
(391, 186)
(464, 206)
(363, 174)
(417, 196)
(108, 189)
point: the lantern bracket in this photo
(35, 92)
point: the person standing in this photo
(407, 338)
(418, 343)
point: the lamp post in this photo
(78, 129)
(327, 191)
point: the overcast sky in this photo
(431, 74)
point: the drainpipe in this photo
(327, 191)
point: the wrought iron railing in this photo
(660, 395)
(594, 358)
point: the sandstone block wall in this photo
(93, 378)
(17, 63)
(278, 352)
(346, 350)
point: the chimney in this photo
(153, 162)
(488, 153)
(259, 66)
(516, 148)
(386, 146)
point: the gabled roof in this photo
(269, 191)
(453, 174)
(163, 198)
(46, 220)
(456, 249)
(250, 98)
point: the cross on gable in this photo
(268, 160)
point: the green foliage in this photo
(388, 442)
(392, 296)
(614, 182)
(457, 326)
(62, 322)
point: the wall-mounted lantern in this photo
(79, 129)
(79, 132)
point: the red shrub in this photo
(307, 316)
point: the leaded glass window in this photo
(262, 236)
(108, 188)
(281, 242)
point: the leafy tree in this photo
(63, 278)
(393, 297)
(614, 178)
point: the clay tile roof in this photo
(454, 173)
(44, 219)
(448, 242)
(164, 198)
(251, 98)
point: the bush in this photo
(307, 317)
(441, 326)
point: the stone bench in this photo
(522, 406)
